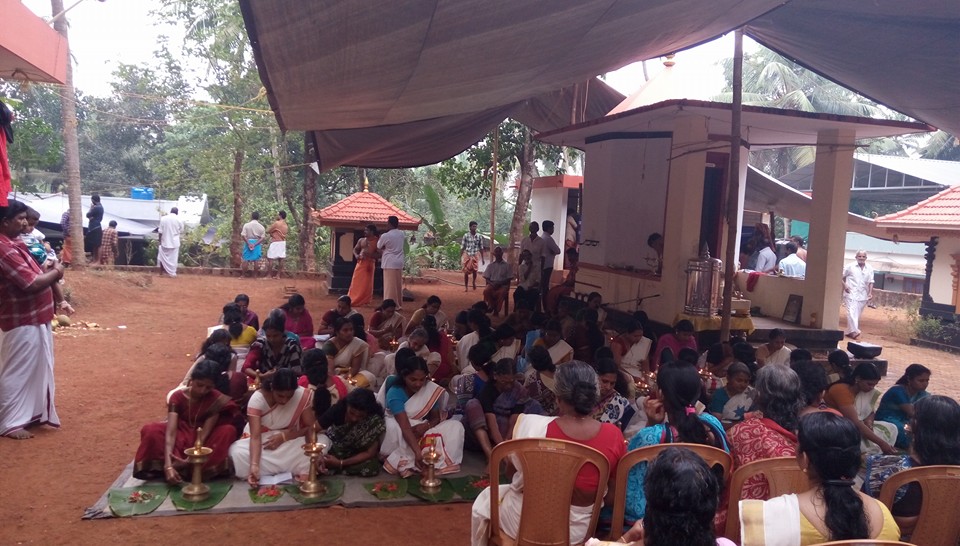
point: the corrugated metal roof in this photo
(946, 173)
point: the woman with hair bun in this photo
(832, 509)
(577, 395)
(856, 397)
(672, 418)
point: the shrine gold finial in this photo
(366, 184)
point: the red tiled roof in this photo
(940, 211)
(363, 208)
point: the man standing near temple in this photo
(857, 292)
(277, 251)
(94, 237)
(471, 255)
(390, 245)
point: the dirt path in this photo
(112, 381)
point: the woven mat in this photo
(237, 499)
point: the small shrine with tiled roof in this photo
(938, 220)
(347, 220)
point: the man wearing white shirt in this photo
(534, 244)
(792, 265)
(390, 245)
(550, 252)
(857, 291)
(168, 255)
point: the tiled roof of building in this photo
(942, 210)
(363, 208)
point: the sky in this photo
(107, 32)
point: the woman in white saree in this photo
(415, 422)
(279, 414)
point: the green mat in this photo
(122, 507)
(218, 490)
(334, 492)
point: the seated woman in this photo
(896, 405)
(671, 418)
(682, 496)
(416, 342)
(587, 337)
(241, 335)
(316, 375)
(467, 385)
(430, 307)
(565, 288)
(936, 441)
(813, 385)
(386, 321)
(541, 385)
(438, 342)
(772, 432)
(613, 407)
(355, 427)
(855, 397)
(344, 309)
(681, 337)
(199, 412)
(299, 321)
(506, 343)
(552, 340)
(490, 416)
(415, 421)
(217, 348)
(829, 454)
(360, 331)
(840, 367)
(480, 331)
(347, 354)
(278, 415)
(731, 403)
(631, 350)
(272, 351)
(577, 395)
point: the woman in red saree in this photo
(366, 254)
(199, 410)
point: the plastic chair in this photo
(782, 473)
(937, 522)
(549, 468)
(865, 542)
(711, 455)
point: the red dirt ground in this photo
(112, 381)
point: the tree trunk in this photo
(71, 147)
(275, 144)
(519, 221)
(308, 234)
(236, 245)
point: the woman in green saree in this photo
(355, 427)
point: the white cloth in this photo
(27, 385)
(781, 356)
(535, 246)
(463, 348)
(252, 230)
(866, 405)
(561, 352)
(775, 522)
(767, 260)
(511, 496)
(391, 246)
(288, 457)
(170, 231)
(498, 272)
(510, 351)
(793, 266)
(854, 310)
(168, 259)
(277, 250)
(637, 353)
(446, 436)
(393, 286)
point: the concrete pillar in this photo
(681, 234)
(828, 227)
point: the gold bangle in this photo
(283, 436)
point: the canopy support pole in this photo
(493, 189)
(733, 187)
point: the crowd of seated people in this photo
(382, 395)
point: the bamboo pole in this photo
(733, 188)
(493, 188)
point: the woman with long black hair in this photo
(832, 509)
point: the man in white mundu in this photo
(170, 230)
(857, 292)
